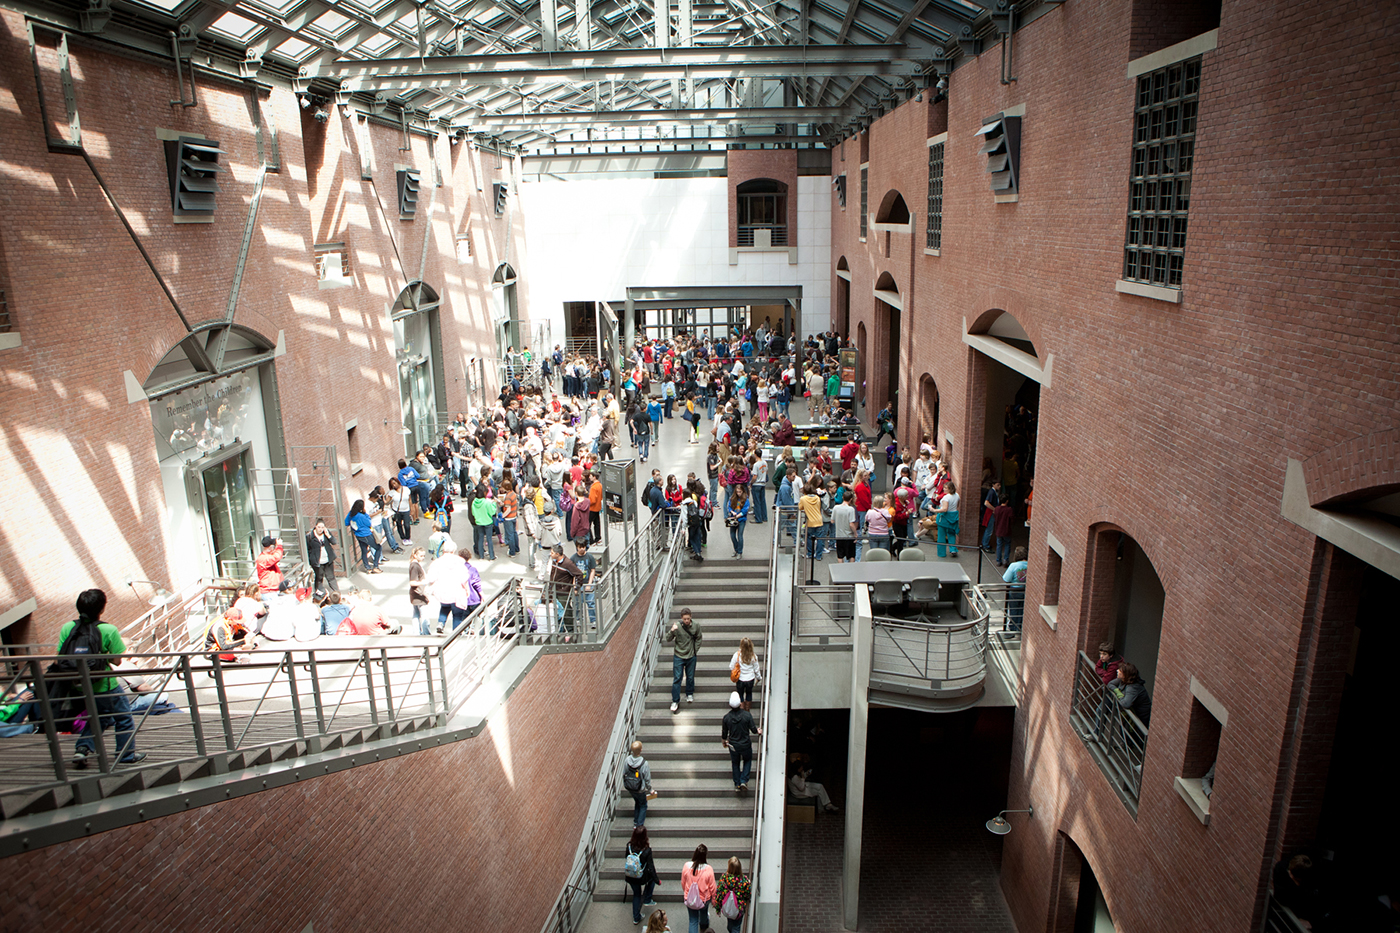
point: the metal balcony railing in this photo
(823, 615)
(269, 705)
(933, 659)
(1114, 736)
(777, 234)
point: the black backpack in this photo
(65, 685)
(632, 779)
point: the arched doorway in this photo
(219, 443)
(508, 312)
(928, 409)
(893, 209)
(418, 355)
(888, 305)
(843, 299)
(1009, 372)
(761, 211)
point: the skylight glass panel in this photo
(295, 49)
(234, 26)
(333, 23)
(378, 44)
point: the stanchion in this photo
(811, 561)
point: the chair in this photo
(886, 593)
(875, 554)
(911, 554)
(925, 590)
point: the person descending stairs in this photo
(696, 798)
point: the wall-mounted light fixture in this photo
(999, 825)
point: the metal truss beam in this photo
(756, 115)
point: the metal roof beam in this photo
(758, 115)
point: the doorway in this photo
(928, 409)
(228, 501)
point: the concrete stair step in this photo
(670, 786)
(684, 827)
(682, 770)
(700, 808)
(671, 751)
(664, 851)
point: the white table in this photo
(949, 573)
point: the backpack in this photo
(632, 864)
(632, 779)
(693, 898)
(65, 690)
(707, 508)
(729, 909)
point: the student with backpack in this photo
(732, 893)
(698, 889)
(639, 869)
(88, 636)
(636, 780)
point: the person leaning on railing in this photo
(89, 635)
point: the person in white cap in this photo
(735, 730)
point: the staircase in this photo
(690, 770)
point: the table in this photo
(950, 574)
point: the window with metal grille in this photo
(464, 246)
(1159, 191)
(193, 167)
(4, 313)
(935, 196)
(864, 200)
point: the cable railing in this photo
(940, 660)
(588, 613)
(1003, 606)
(569, 907)
(1115, 736)
(206, 712)
(823, 615)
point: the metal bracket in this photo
(251, 64)
(96, 17)
(182, 45)
(970, 44)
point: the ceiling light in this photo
(999, 825)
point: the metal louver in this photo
(1002, 147)
(193, 167)
(408, 193)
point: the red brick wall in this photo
(478, 835)
(1171, 422)
(746, 165)
(80, 461)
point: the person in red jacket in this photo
(849, 454)
(904, 502)
(863, 502)
(1107, 666)
(269, 574)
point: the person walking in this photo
(746, 660)
(638, 859)
(636, 780)
(85, 636)
(948, 519)
(736, 516)
(735, 729)
(758, 486)
(358, 522)
(686, 635)
(733, 891)
(698, 888)
(418, 591)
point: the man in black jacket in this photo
(735, 730)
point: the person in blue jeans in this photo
(1016, 596)
(89, 631)
(640, 846)
(989, 505)
(686, 635)
(736, 516)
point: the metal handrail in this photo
(994, 602)
(765, 701)
(1115, 736)
(949, 657)
(296, 700)
(568, 908)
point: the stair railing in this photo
(572, 902)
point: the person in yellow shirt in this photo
(811, 506)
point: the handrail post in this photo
(94, 723)
(296, 697)
(41, 691)
(369, 686)
(388, 694)
(196, 723)
(223, 703)
(428, 678)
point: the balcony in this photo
(763, 236)
(1115, 737)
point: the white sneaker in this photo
(690, 699)
(675, 706)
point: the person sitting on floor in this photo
(366, 618)
(333, 612)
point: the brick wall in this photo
(1172, 422)
(746, 165)
(477, 835)
(80, 460)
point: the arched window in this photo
(762, 206)
(892, 210)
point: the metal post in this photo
(388, 695)
(223, 703)
(296, 698)
(428, 676)
(193, 700)
(41, 690)
(369, 685)
(94, 721)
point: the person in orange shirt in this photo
(509, 502)
(595, 510)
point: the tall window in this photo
(864, 200)
(935, 196)
(1164, 143)
(763, 206)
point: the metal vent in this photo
(408, 193)
(1003, 151)
(498, 190)
(193, 167)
